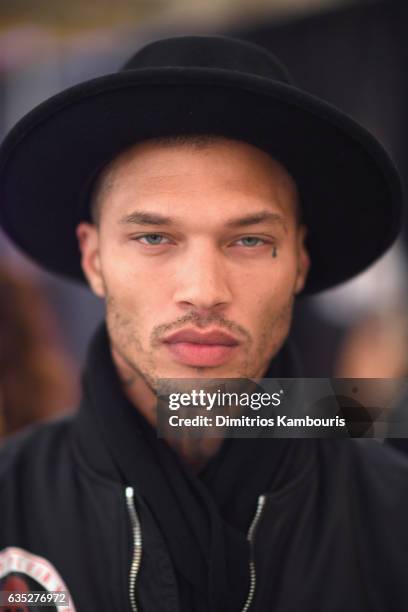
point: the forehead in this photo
(207, 165)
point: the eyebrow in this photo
(141, 217)
(260, 217)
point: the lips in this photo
(195, 337)
(205, 349)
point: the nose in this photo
(202, 280)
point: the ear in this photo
(88, 239)
(303, 259)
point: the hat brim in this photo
(350, 190)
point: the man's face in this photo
(197, 239)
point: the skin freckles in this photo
(196, 269)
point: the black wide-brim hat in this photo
(350, 191)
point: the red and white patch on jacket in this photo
(24, 572)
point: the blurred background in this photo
(352, 53)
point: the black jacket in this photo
(330, 536)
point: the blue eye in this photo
(251, 241)
(152, 239)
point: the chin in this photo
(224, 371)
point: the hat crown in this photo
(211, 52)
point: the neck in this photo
(196, 452)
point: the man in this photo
(205, 193)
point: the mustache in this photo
(201, 322)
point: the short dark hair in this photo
(104, 180)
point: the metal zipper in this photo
(137, 546)
(250, 538)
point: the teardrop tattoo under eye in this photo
(274, 251)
